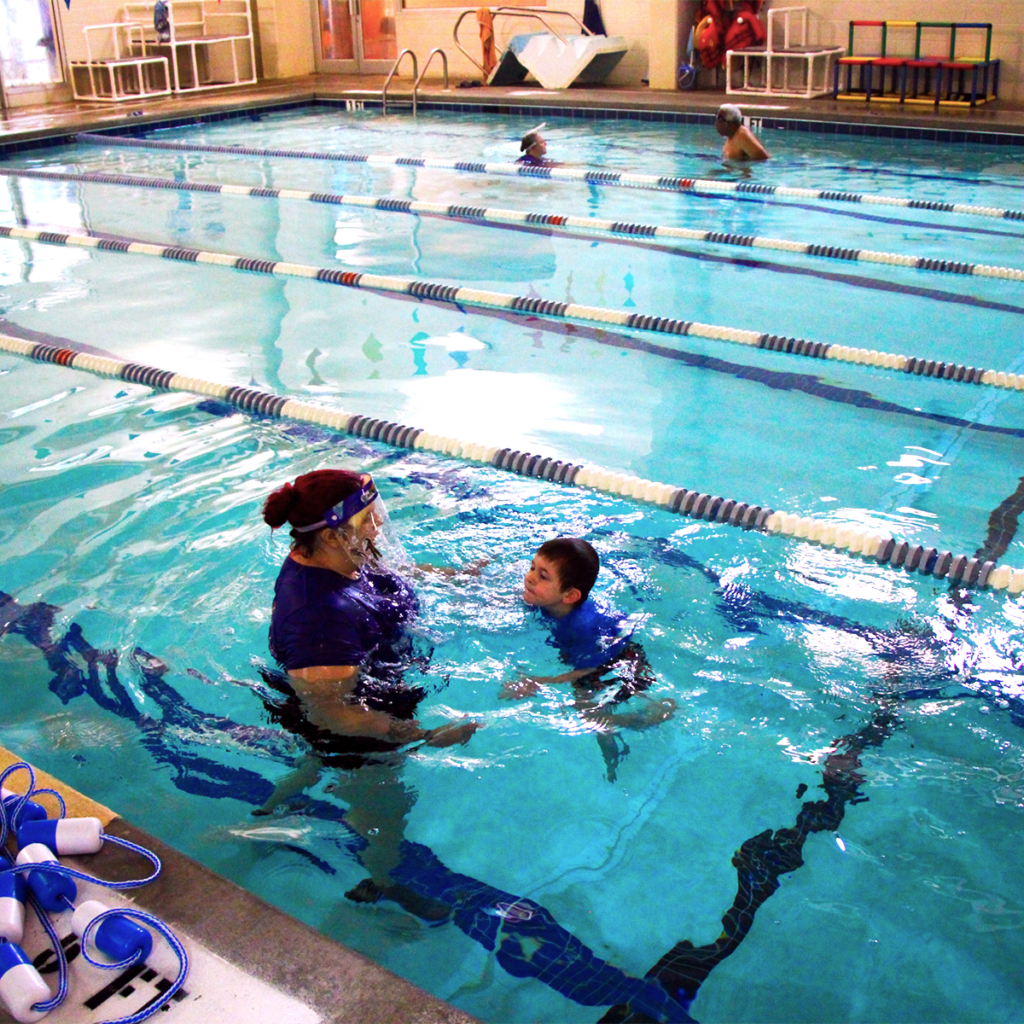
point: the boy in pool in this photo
(608, 665)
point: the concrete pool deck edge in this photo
(332, 980)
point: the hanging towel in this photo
(486, 22)
(592, 18)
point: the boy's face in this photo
(542, 587)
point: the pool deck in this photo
(249, 962)
(28, 124)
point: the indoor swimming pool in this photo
(843, 778)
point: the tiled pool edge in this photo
(504, 106)
(288, 955)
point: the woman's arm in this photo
(327, 691)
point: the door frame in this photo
(356, 65)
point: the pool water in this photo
(138, 574)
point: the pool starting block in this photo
(943, 78)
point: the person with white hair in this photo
(740, 143)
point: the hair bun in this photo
(278, 507)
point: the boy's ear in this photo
(572, 596)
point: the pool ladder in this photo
(417, 77)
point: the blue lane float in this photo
(476, 298)
(625, 179)
(558, 223)
(883, 549)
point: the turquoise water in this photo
(135, 516)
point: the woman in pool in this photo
(338, 627)
(338, 614)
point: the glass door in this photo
(356, 36)
(29, 48)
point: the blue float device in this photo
(30, 810)
(117, 937)
(53, 890)
(12, 903)
(65, 836)
(21, 986)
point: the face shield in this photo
(362, 533)
(362, 523)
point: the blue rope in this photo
(19, 803)
(148, 854)
(57, 868)
(8, 822)
(172, 940)
(36, 792)
(62, 960)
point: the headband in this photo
(340, 514)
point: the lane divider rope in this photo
(961, 569)
(622, 178)
(557, 222)
(529, 306)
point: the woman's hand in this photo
(455, 732)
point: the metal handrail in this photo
(515, 12)
(391, 74)
(423, 74)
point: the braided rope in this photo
(556, 222)
(622, 178)
(478, 298)
(883, 549)
(172, 940)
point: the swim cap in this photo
(730, 112)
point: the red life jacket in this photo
(709, 33)
(720, 28)
(746, 30)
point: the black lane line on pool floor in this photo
(1002, 525)
(779, 380)
(524, 936)
(750, 263)
(706, 506)
(41, 617)
(850, 279)
(761, 860)
(420, 868)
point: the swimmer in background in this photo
(608, 665)
(534, 149)
(740, 143)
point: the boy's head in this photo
(561, 575)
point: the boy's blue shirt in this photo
(590, 635)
